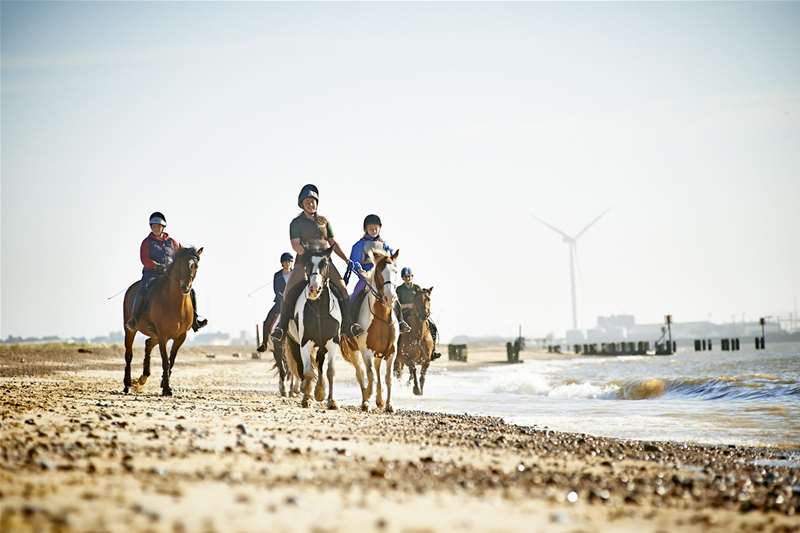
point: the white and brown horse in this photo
(378, 343)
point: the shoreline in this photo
(79, 455)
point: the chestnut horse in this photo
(379, 340)
(168, 316)
(416, 346)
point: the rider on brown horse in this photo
(311, 231)
(406, 294)
(157, 253)
(362, 262)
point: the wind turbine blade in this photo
(567, 237)
(592, 223)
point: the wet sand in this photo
(222, 455)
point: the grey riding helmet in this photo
(158, 218)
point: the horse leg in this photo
(412, 369)
(308, 373)
(126, 380)
(281, 371)
(165, 388)
(319, 389)
(176, 345)
(379, 390)
(358, 364)
(333, 349)
(422, 377)
(389, 361)
(366, 357)
(138, 385)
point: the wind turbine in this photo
(572, 242)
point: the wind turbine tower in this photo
(572, 242)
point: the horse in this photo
(416, 347)
(313, 330)
(168, 316)
(379, 340)
(285, 377)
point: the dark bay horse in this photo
(314, 328)
(416, 347)
(168, 316)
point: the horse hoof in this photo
(304, 402)
(417, 392)
(332, 405)
(125, 390)
(365, 406)
(166, 392)
(389, 408)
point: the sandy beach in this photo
(221, 455)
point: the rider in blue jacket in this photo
(361, 261)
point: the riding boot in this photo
(402, 324)
(268, 322)
(197, 322)
(355, 306)
(435, 335)
(138, 309)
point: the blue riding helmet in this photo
(406, 272)
(286, 256)
(308, 191)
(158, 218)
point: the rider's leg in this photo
(197, 322)
(290, 294)
(398, 312)
(139, 301)
(340, 292)
(272, 316)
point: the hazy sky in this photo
(454, 122)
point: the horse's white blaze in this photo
(315, 279)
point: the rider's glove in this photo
(355, 265)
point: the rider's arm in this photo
(338, 249)
(297, 247)
(144, 255)
(357, 251)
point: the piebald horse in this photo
(168, 316)
(314, 328)
(379, 340)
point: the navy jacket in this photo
(278, 285)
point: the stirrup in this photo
(435, 355)
(404, 327)
(356, 329)
(277, 334)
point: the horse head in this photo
(386, 276)
(422, 302)
(317, 265)
(184, 267)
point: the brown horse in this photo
(379, 341)
(168, 316)
(416, 347)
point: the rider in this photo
(278, 285)
(311, 231)
(362, 262)
(406, 293)
(157, 253)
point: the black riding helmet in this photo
(372, 219)
(158, 218)
(286, 256)
(308, 191)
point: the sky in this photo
(454, 122)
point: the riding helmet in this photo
(158, 218)
(308, 191)
(406, 272)
(286, 256)
(372, 219)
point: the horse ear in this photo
(430, 290)
(395, 254)
(200, 251)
